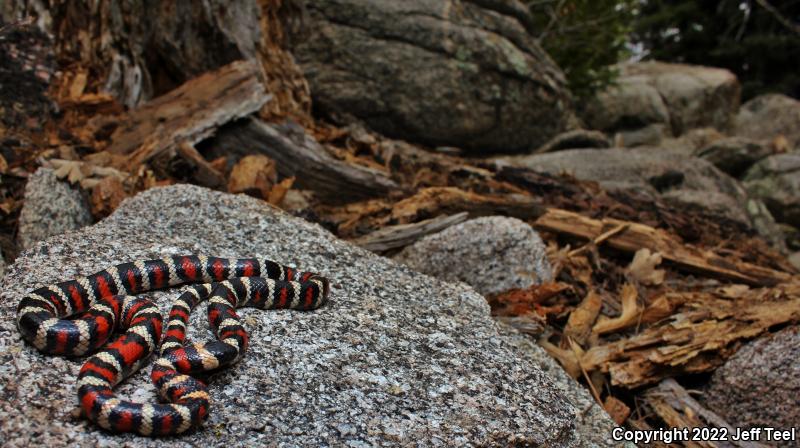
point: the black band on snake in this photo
(103, 303)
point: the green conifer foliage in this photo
(740, 35)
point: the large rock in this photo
(438, 72)
(767, 117)
(675, 96)
(51, 207)
(492, 254)
(776, 180)
(594, 423)
(760, 384)
(734, 155)
(654, 172)
(395, 358)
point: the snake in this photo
(78, 317)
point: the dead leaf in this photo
(279, 190)
(642, 268)
(253, 175)
(629, 316)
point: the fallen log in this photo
(636, 236)
(401, 235)
(188, 114)
(359, 218)
(298, 155)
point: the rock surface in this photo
(595, 424)
(680, 97)
(766, 117)
(395, 358)
(760, 384)
(492, 254)
(657, 172)
(776, 181)
(439, 72)
(576, 138)
(734, 155)
(51, 207)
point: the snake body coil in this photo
(103, 303)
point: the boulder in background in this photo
(438, 72)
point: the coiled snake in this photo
(103, 303)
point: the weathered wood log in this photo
(637, 236)
(298, 155)
(705, 330)
(679, 410)
(188, 114)
(401, 235)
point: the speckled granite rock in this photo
(395, 358)
(776, 181)
(594, 425)
(51, 207)
(492, 254)
(760, 384)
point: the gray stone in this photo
(760, 384)
(576, 138)
(395, 358)
(630, 104)
(439, 72)
(594, 424)
(734, 155)
(650, 135)
(794, 259)
(662, 173)
(681, 97)
(776, 181)
(492, 254)
(769, 116)
(51, 207)
(653, 172)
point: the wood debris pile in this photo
(643, 293)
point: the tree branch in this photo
(788, 24)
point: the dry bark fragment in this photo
(433, 201)
(637, 236)
(190, 113)
(581, 319)
(679, 410)
(705, 330)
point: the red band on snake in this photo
(103, 303)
